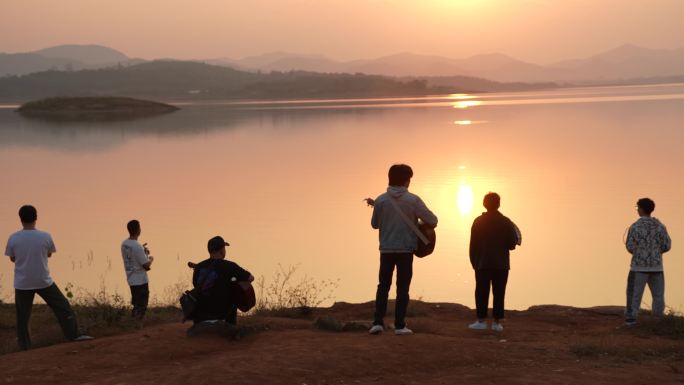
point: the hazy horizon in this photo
(529, 30)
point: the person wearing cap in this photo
(137, 262)
(212, 279)
(29, 249)
(492, 237)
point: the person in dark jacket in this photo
(492, 237)
(213, 277)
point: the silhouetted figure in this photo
(30, 249)
(492, 236)
(137, 262)
(213, 278)
(647, 240)
(397, 244)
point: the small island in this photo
(93, 108)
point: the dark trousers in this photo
(140, 295)
(232, 315)
(54, 298)
(497, 279)
(404, 264)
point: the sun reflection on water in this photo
(460, 96)
(467, 103)
(464, 199)
(468, 122)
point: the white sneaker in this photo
(403, 331)
(83, 337)
(497, 327)
(376, 329)
(478, 325)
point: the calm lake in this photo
(284, 182)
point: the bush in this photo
(106, 313)
(171, 294)
(101, 309)
(286, 296)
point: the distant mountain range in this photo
(493, 66)
(63, 57)
(619, 65)
(624, 62)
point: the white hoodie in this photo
(395, 235)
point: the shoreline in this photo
(350, 100)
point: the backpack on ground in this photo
(188, 303)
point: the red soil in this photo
(543, 345)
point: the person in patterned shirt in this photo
(647, 240)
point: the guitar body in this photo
(243, 295)
(423, 249)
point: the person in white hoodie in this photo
(647, 240)
(397, 244)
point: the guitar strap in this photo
(409, 222)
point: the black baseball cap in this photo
(216, 243)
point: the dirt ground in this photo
(542, 345)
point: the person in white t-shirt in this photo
(30, 249)
(137, 262)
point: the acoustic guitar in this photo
(426, 242)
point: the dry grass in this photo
(669, 326)
(104, 313)
(650, 345)
(286, 295)
(98, 313)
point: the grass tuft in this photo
(669, 326)
(287, 296)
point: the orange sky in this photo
(540, 31)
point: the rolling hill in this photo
(626, 62)
(86, 54)
(63, 57)
(192, 80)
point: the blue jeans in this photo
(404, 264)
(636, 283)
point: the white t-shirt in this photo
(134, 258)
(30, 249)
